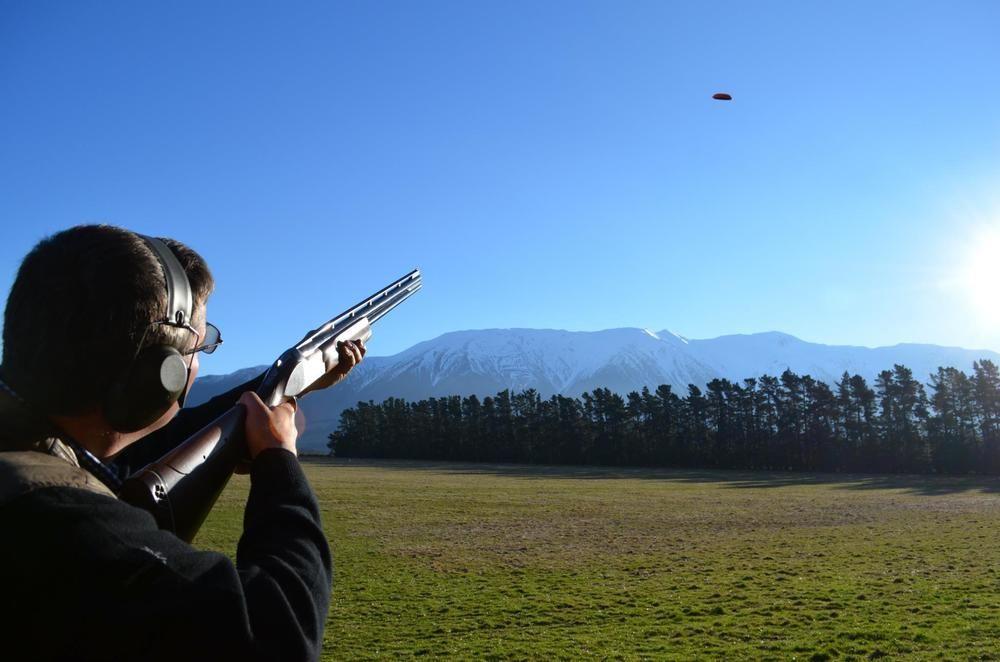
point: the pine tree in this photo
(986, 391)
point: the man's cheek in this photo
(195, 363)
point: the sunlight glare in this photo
(981, 278)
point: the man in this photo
(86, 576)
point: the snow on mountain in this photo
(571, 362)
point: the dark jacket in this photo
(86, 576)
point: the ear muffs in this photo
(147, 389)
(158, 376)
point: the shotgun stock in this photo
(181, 487)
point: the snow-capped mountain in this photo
(571, 362)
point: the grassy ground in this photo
(493, 561)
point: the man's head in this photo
(84, 303)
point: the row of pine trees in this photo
(790, 422)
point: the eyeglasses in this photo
(212, 339)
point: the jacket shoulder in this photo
(25, 471)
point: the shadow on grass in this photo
(911, 483)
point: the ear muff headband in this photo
(180, 303)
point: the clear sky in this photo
(546, 164)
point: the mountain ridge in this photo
(485, 361)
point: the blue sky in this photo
(547, 164)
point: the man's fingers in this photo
(258, 414)
(285, 409)
(356, 352)
(251, 399)
(348, 354)
(252, 402)
(256, 408)
(282, 420)
(343, 356)
(269, 427)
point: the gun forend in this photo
(312, 367)
(299, 366)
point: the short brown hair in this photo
(82, 303)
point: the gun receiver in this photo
(181, 487)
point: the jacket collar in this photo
(21, 429)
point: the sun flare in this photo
(981, 277)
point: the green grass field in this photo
(501, 562)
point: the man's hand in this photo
(275, 428)
(349, 354)
(267, 427)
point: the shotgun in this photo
(181, 487)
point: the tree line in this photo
(791, 422)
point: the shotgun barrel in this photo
(181, 487)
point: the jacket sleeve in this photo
(164, 600)
(284, 560)
(187, 421)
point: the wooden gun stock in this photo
(181, 487)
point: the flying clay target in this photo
(722, 96)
